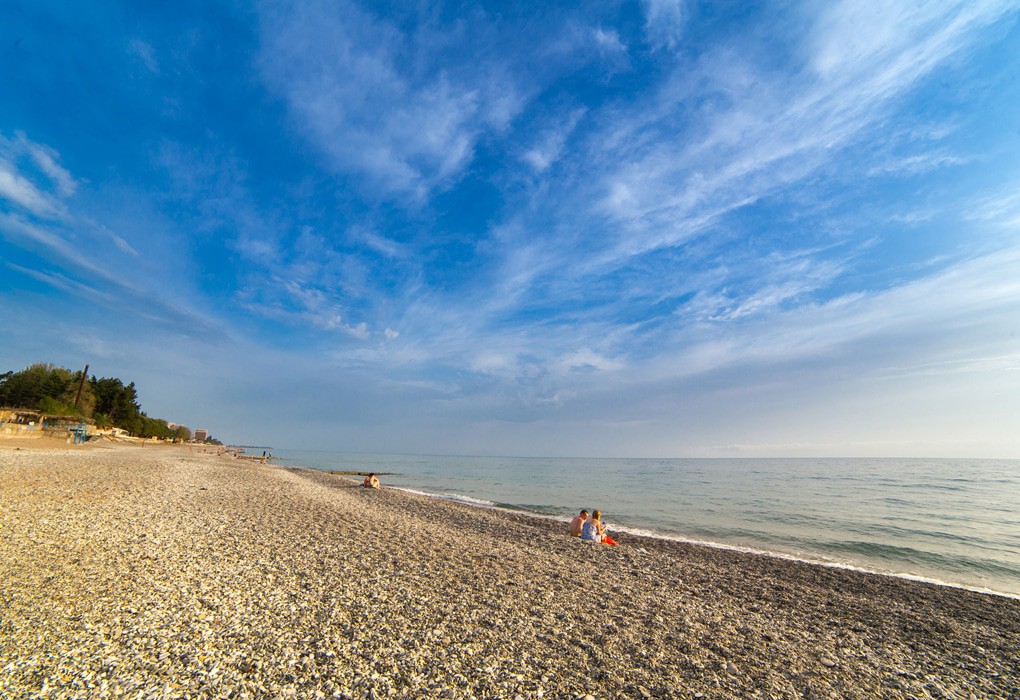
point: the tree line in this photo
(106, 401)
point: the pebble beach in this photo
(165, 572)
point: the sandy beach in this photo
(165, 572)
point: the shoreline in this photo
(175, 573)
(650, 534)
(635, 536)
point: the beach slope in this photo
(167, 573)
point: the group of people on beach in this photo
(590, 529)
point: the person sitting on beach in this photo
(371, 482)
(577, 523)
(589, 531)
(594, 531)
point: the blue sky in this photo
(657, 228)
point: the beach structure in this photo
(80, 433)
(26, 423)
(20, 422)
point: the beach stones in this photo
(118, 579)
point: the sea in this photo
(949, 521)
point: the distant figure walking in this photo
(594, 531)
(371, 482)
(577, 523)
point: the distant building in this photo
(201, 435)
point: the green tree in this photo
(118, 403)
(86, 399)
(53, 407)
(43, 387)
(53, 390)
(24, 389)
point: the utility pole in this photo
(81, 385)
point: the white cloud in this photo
(608, 41)
(380, 244)
(359, 331)
(39, 188)
(411, 129)
(916, 164)
(587, 360)
(20, 231)
(21, 192)
(761, 132)
(46, 159)
(768, 132)
(65, 284)
(851, 38)
(550, 143)
(1001, 206)
(144, 52)
(257, 249)
(122, 245)
(664, 22)
(964, 306)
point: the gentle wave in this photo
(468, 500)
(785, 556)
(657, 535)
(946, 521)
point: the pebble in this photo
(118, 580)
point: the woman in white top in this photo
(594, 530)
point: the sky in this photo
(660, 228)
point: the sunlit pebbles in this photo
(160, 573)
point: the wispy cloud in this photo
(770, 131)
(65, 284)
(411, 128)
(19, 191)
(1001, 206)
(563, 223)
(763, 135)
(549, 144)
(916, 164)
(976, 294)
(144, 52)
(20, 231)
(664, 22)
(79, 251)
(102, 284)
(21, 161)
(637, 191)
(608, 41)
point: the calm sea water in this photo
(955, 521)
